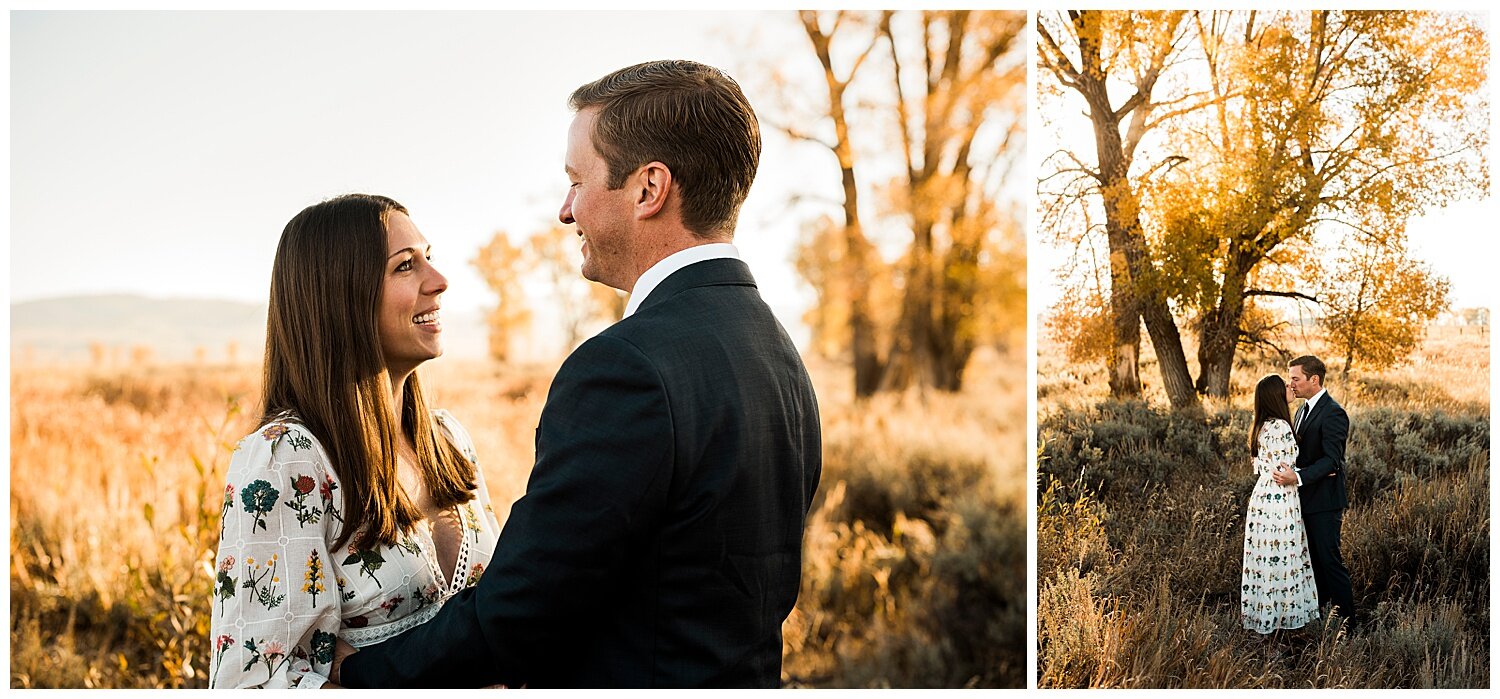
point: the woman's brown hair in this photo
(325, 367)
(1270, 402)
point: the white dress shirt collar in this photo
(671, 263)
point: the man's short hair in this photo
(1312, 366)
(691, 117)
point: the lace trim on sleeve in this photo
(370, 635)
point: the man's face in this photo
(1302, 385)
(603, 216)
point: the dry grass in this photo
(1141, 516)
(115, 478)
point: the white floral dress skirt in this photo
(1277, 590)
(282, 595)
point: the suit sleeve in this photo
(604, 450)
(1332, 435)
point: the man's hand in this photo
(341, 650)
(1281, 476)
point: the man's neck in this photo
(652, 253)
(1313, 399)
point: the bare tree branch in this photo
(1282, 294)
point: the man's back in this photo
(699, 596)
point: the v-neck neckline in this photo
(446, 583)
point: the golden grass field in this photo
(915, 550)
(1141, 522)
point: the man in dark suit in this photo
(659, 539)
(1322, 429)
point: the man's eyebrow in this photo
(411, 248)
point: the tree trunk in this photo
(1219, 335)
(867, 365)
(954, 338)
(1124, 360)
(910, 361)
(1123, 227)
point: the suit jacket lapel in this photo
(1316, 413)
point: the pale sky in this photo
(162, 153)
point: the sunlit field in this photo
(1141, 523)
(915, 551)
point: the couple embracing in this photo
(1294, 520)
(658, 542)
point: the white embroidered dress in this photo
(1277, 590)
(282, 595)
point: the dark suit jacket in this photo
(1320, 454)
(659, 539)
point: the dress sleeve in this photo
(275, 612)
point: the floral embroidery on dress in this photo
(369, 561)
(224, 589)
(272, 632)
(302, 486)
(425, 596)
(471, 520)
(259, 498)
(409, 544)
(224, 642)
(322, 646)
(224, 510)
(273, 655)
(325, 491)
(474, 574)
(344, 595)
(391, 604)
(313, 579)
(266, 594)
(300, 441)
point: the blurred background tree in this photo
(945, 92)
(541, 277)
(502, 264)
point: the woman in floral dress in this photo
(1277, 590)
(353, 512)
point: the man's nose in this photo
(565, 214)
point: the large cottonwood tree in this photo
(1309, 123)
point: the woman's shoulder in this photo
(454, 430)
(280, 440)
(1276, 425)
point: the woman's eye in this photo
(404, 266)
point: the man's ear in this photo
(653, 182)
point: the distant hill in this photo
(64, 329)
